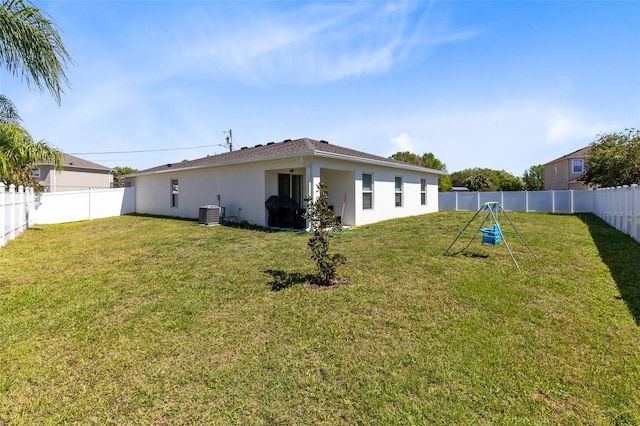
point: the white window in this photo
(398, 191)
(423, 192)
(174, 192)
(367, 191)
(578, 166)
(36, 172)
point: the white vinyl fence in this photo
(16, 211)
(73, 206)
(619, 207)
(521, 201)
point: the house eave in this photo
(377, 162)
(311, 153)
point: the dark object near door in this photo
(284, 212)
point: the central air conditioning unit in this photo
(209, 215)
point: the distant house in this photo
(251, 183)
(563, 173)
(77, 174)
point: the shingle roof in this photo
(579, 153)
(72, 161)
(69, 160)
(278, 150)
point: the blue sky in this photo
(500, 84)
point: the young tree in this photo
(323, 223)
(614, 160)
(533, 178)
(30, 46)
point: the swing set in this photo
(491, 234)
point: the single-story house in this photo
(363, 188)
(77, 174)
(565, 172)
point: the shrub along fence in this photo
(619, 207)
(17, 207)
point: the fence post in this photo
(571, 200)
(20, 224)
(456, 194)
(553, 201)
(625, 211)
(12, 212)
(608, 201)
(2, 214)
(90, 201)
(635, 211)
(30, 203)
(619, 207)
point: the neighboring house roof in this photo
(579, 153)
(282, 150)
(79, 163)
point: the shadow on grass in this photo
(158, 216)
(620, 253)
(282, 279)
(251, 227)
(238, 225)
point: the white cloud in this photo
(403, 142)
(509, 135)
(316, 43)
(566, 125)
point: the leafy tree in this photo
(486, 180)
(323, 224)
(507, 182)
(118, 175)
(426, 160)
(478, 182)
(30, 46)
(408, 157)
(614, 159)
(533, 178)
(19, 155)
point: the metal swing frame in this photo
(493, 234)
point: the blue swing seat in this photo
(491, 236)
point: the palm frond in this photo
(8, 111)
(30, 46)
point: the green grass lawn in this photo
(139, 320)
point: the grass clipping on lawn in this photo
(151, 320)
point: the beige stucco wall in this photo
(71, 179)
(557, 176)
